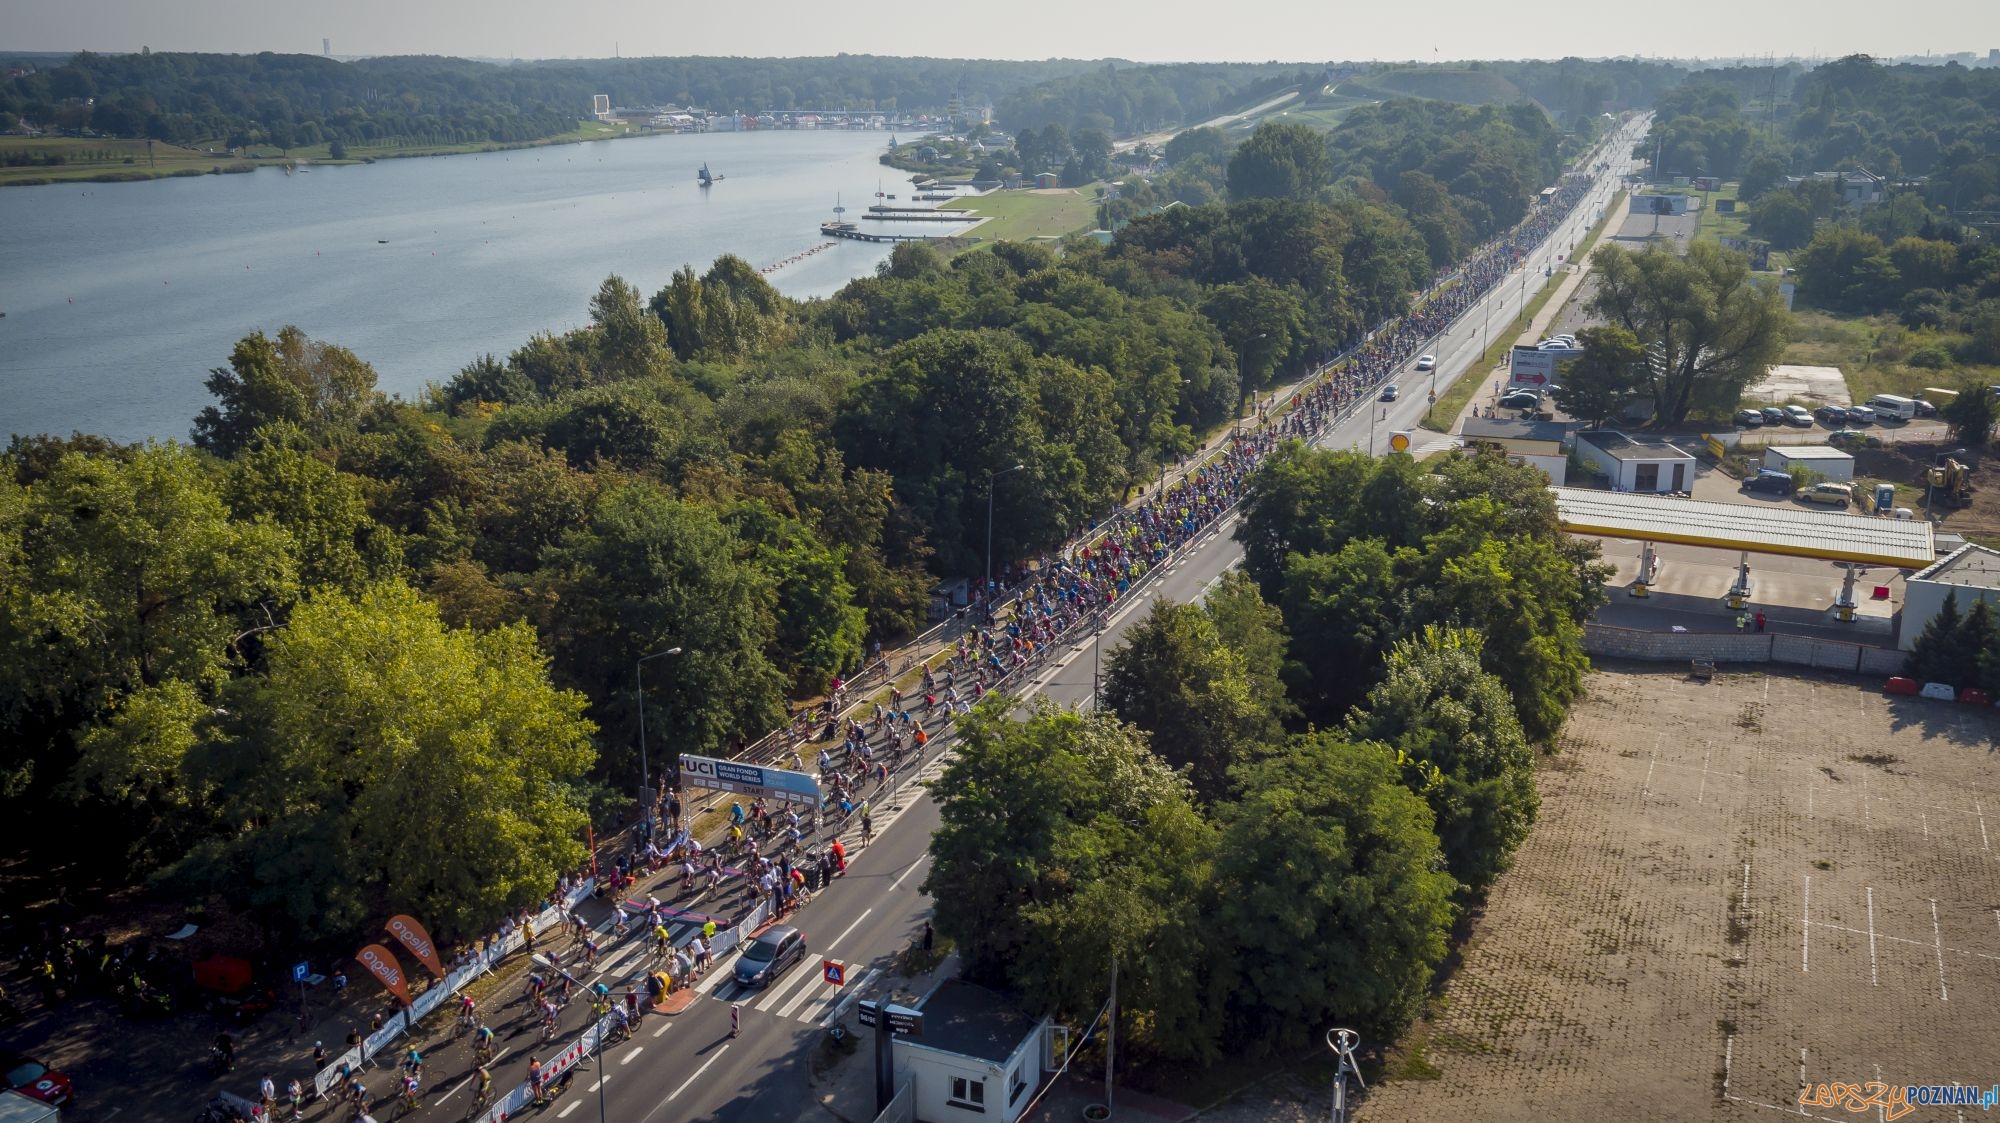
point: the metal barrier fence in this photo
(902, 1106)
(355, 1059)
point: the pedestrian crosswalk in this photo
(802, 995)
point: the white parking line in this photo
(675, 1094)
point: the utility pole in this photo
(1111, 1042)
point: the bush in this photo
(1923, 308)
(1936, 356)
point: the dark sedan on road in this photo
(767, 956)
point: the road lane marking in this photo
(851, 927)
(664, 1027)
(675, 1094)
(801, 996)
(564, 1113)
(627, 1058)
(772, 994)
(897, 884)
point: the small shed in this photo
(978, 1057)
(1967, 574)
(1047, 180)
(1540, 443)
(1652, 464)
(1828, 463)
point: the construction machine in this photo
(1950, 483)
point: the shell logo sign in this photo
(1399, 442)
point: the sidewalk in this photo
(1579, 269)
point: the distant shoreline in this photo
(190, 160)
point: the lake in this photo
(119, 297)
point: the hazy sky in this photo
(1136, 29)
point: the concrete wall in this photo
(1922, 599)
(1731, 647)
(1554, 467)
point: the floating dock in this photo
(854, 233)
(915, 214)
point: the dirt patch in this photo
(1905, 464)
(1802, 384)
(1704, 918)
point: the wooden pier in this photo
(854, 233)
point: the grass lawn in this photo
(104, 160)
(1017, 216)
(1873, 352)
(1712, 226)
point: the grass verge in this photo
(1444, 412)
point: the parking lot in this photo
(1737, 890)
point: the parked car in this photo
(1799, 416)
(1860, 415)
(766, 957)
(1835, 495)
(1563, 337)
(1833, 417)
(30, 1077)
(1427, 362)
(1389, 392)
(1771, 482)
(1521, 399)
(1851, 439)
(1773, 415)
(1925, 409)
(1749, 419)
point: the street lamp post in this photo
(639, 689)
(1343, 1042)
(992, 478)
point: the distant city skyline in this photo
(1248, 30)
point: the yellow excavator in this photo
(1950, 483)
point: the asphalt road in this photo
(688, 1067)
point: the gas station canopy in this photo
(1799, 532)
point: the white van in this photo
(1889, 407)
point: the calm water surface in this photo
(119, 297)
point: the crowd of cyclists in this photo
(775, 853)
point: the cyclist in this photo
(485, 1083)
(411, 1087)
(413, 1062)
(466, 1017)
(482, 1042)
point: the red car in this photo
(33, 1078)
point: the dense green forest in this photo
(767, 484)
(298, 100)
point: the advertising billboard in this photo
(1535, 368)
(749, 779)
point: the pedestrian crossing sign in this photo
(835, 973)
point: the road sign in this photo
(903, 1021)
(301, 972)
(835, 973)
(1399, 442)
